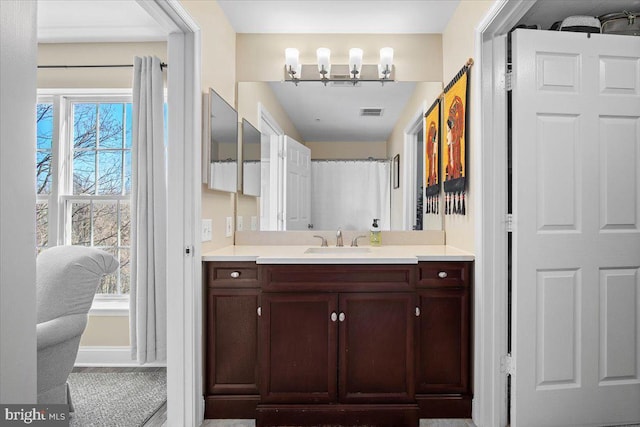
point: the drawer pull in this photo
(334, 316)
(442, 275)
(259, 311)
(341, 317)
(235, 274)
(417, 311)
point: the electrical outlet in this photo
(229, 227)
(254, 223)
(207, 229)
(239, 223)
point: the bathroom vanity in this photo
(380, 337)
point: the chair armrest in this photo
(60, 329)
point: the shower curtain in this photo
(349, 194)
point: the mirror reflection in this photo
(223, 144)
(250, 159)
(351, 134)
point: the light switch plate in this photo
(239, 223)
(254, 223)
(207, 230)
(229, 227)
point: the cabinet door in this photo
(298, 348)
(232, 341)
(443, 353)
(376, 347)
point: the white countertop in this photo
(289, 254)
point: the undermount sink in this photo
(338, 250)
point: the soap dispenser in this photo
(375, 236)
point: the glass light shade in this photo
(386, 56)
(355, 59)
(292, 60)
(324, 59)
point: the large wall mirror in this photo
(353, 133)
(220, 146)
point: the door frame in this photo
(414, 125)
(185, 401)
(490, 128)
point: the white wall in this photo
(17, 209)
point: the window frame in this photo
(61, 195)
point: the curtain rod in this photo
(162, 66)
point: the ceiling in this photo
(339, 16)
(72, 21)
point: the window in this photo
(84, 178)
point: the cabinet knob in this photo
(334, 316)
(341, 317)
(259, 311)
(235, 274)
(442, 275)
(417, 311)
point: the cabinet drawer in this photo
(444, 274)
(233, 275)
(338, 278)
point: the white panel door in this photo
(576, 240)
(297, 185)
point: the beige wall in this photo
(218, 72)
(348, 150)
(417, 57)
(106, 331)
(423, 96)
(101, 330)
(458, 45)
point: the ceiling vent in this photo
(371, 112)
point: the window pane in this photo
(109, 284)
(81, 224)
(42, 224)
(84, 172)
(43, 171)
(125, 224)
(110, 172)
(105, 224)
(111, 121)
(84, 126)
(44, 120)
(128, 126)
(125, 271)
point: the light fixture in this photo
(324, 63)
(354, 71)
(292, 62)
(386, 62)
(355, 62)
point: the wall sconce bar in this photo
(341, 73)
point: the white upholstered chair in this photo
(67, 278)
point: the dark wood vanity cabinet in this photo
(333, 352)
(231, 335)
(379, 345)
(443, 340)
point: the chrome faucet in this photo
(354, 242)
(339, 238)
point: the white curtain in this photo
(148, 324)
(349, 194)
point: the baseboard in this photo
(109, 356)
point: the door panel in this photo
(376, 347)
(297, 190)
(576, 241)
(299, 348)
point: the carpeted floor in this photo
(118, 399)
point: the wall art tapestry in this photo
(432, 159)
(454, 142)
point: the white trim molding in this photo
(111, 356)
